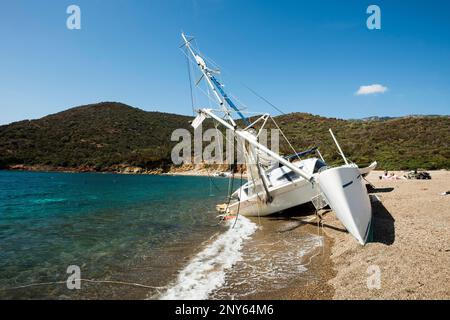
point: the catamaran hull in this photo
(347, 196)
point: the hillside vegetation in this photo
(401, 143)
(99, 135)
(105, 135)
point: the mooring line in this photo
(86, 280)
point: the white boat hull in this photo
(284, 197)
(342, 187)
(347, 196)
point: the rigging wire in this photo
(263, 99)
(230, 190)
(212, 183)
(239, 203)
(218, 135)
(206, 93)
(188, 62)
(217, 66)
(200, 88)
(190, 84)
(285, 138)
(245, 85)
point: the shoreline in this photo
(184, 170)
(128, 170)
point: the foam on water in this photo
(206, 271)
(270, 263)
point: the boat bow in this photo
(347, 196)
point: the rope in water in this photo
(86, 280)
(239, 203)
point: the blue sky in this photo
(307, 56)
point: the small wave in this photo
(206, 271)
(271, 263)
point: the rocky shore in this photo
(189, 170)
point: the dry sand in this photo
(411, 243)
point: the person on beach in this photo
(391, 176)
(385, 175)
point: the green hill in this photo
(97, 135)
(104, 135)
(399, 143)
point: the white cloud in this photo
(372, 89)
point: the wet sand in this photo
(411, 243)
(288, 257)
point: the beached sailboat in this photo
(276, 183)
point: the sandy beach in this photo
(410, 248)
(411, 243)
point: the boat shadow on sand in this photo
(373, 190)
(383, 223)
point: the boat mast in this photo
(214, 84)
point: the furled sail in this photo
(257, 183)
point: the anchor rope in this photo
(86, 280)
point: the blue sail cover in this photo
(301, 154)
(228, 100)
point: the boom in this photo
(244, 135)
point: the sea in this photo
(113, 236)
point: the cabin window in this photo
(319, 164)
(291, 175)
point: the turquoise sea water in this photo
(128, 228)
